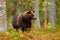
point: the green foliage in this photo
(26, 5)
(15, 36)
(58, 21)
(58, 12)
(53, 29)
(9, 26)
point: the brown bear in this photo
(23, 20)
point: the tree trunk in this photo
(3, 18)
(52, 12)
(36, 9)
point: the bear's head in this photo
(29, 15)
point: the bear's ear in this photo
(28, 12)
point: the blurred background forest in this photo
(48, 11)
(47, 25)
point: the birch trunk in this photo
(3, 18)
(52, 12)
(36, 8)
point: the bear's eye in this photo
(33, 11)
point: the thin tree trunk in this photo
(52, 12)
(45, 14)
(36, 8)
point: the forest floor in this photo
(42, 34)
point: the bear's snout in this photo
(34, 18)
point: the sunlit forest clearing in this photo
(45, 27)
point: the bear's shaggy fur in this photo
(23, 20)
